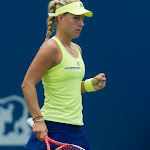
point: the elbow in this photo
(27, 83)
(23, 85)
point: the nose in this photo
(81, 23)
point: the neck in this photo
(65, 39)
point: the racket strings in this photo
(70, 148)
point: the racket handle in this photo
(30, 121)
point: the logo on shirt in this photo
(78, 63)
(78, 66)
(67, 68)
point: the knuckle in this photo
(34, 131)
(42, 138)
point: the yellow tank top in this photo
(62, 89)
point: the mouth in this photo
(78, 30)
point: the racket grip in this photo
(30, 121)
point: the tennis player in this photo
(60, 66)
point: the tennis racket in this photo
(62, 146)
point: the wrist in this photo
(88, 85)
(40, 120)
(37, 118)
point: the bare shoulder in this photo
(49, 47)
(47, 56)
(78, 47)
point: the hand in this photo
(99, 81)
(39, 129)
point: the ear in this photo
(60, 17)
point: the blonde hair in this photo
(52, 6)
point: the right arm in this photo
(97, 82)
(45, 59)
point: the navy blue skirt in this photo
(60, 132)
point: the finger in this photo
(104, 79)
(101, 84)
(102, 74)
(35, 132)
(99, 78)
(38, 134)
(42, 135)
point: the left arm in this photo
(98, 82)
(83, 90)
(82, 83)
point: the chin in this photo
(73, 36)
(76, 36)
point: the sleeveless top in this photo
(62, 89)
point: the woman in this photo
(60, 66)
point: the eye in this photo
(76, 18)
(83, 18)
(79, 17)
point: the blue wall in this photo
(116, 41)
